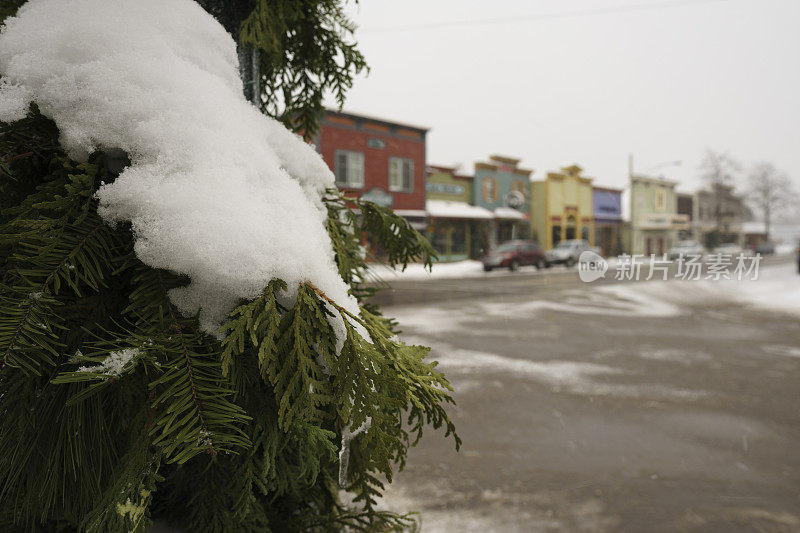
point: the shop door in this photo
(571, 224)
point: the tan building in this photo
(655, 221)
(562, 207)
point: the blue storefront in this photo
(608, 220)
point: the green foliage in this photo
(304, 50)
(350, 220)
(253, 432)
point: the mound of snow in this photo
(777, 288)
(215, 189)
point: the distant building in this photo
(562, 207)
(608, 220)
(503, 188)
(721, 213)
(377, 160)
(687, 205)
(655, 221)
(754, 233)
(457, 230)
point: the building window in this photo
(349, 169)
(519, 187)
(401, 174)
(556, 236)
(490, 190)
(661, 199)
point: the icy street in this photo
(638, 406)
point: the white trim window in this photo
(661, 199)
(490, 190)
(401, 174)
(349, 169)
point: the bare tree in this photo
(770, 190)
(719, 168)
(719, 171)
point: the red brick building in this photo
(377, 160)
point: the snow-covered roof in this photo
(467, 168)
(507, 212)
(448, 209)
(625, 204)
(754, 227)
(411, 213)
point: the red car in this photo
(515, 254)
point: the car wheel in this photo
(570, 262)
(487, 268)
(513, 265)
(540, 264)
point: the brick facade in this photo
(378, 140)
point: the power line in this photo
(544, 16)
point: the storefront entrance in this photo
(571, 227)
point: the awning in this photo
(758, 228)
(448, 209)
(508, 213)
(410, 213)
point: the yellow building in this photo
(562, 207)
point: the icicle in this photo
(344, 453)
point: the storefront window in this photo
(505, 231)
(571, 228)
(458, 238)
(439, 237)
(556, 235)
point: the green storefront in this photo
(503, 188)
(456, 229)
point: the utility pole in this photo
(630, 166)
(632, 223)
(231, 14)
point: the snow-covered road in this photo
(613, 406)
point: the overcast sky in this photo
(588, 81)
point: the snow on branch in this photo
(215, 189)
(115, 363)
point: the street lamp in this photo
(660, 165)
(665, 164)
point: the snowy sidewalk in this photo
(458, 270)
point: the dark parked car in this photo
(515, 254)
(764, 248)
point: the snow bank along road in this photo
(649, 406)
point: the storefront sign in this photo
(444, 188)
(515, 200)
(378, 196)
(665, 221)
